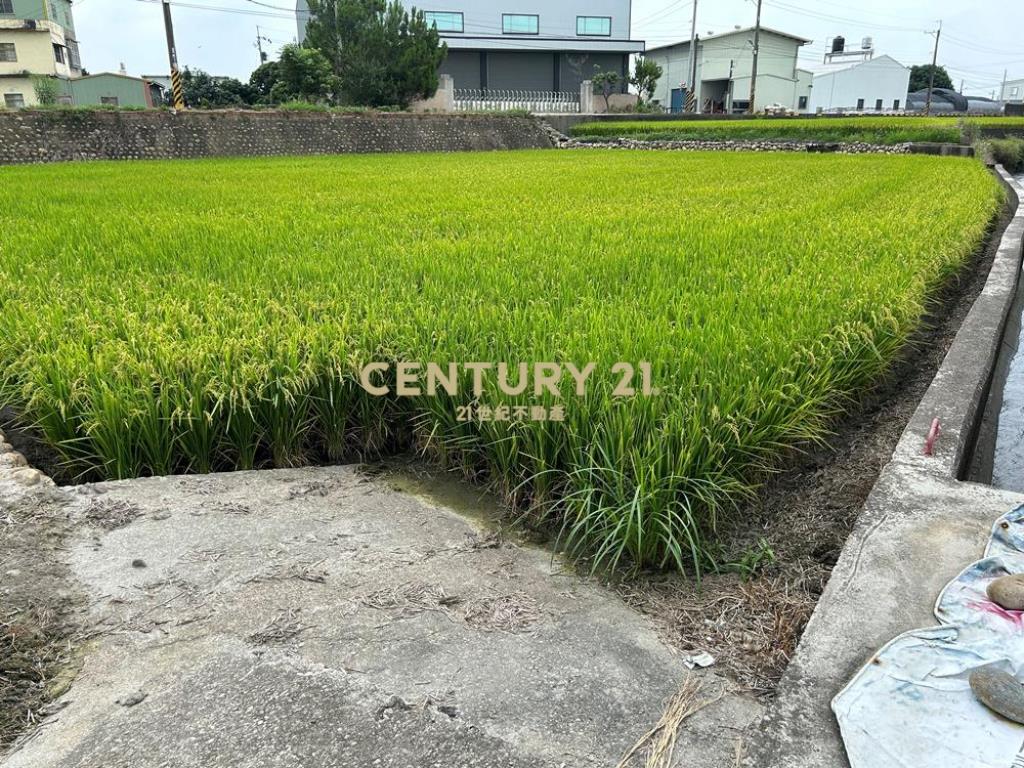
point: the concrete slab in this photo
(321, 617)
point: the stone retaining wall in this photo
(743, 146)
(43, 136)
(17, 478)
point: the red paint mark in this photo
(933, 435)
(987, 606)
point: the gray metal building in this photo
(527, 45)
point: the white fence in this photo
(483, 100)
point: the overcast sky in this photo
(980, 38)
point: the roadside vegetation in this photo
(869, 130)
(201, 315)
(1007, 152)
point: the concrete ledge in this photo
(946, 150)
(919, 528)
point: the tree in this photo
(262, 81)
(382, 54)
(645, 78)
(204, 91)
(920, 74)
(46, 90)
(302, 74)
(605, 84)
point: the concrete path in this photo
(318, 617)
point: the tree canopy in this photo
(646, 74)
(302, 74)
(204, 91)
(381, 54)
(920, 74)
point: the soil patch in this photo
(39, 630)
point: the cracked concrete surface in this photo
(321, 617)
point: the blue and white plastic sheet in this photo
(912, 706)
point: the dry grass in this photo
(281, 629)
(655, 747)
(750, 627)
(410, 597)
(514, 612)
(110, 514)
(33, 649)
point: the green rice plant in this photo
(194, 316)
(870, 130)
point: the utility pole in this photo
(1002, 91)
(260, 40)
(691, 69)
(753, 67)
(931, 76)
(172, 53)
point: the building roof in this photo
(741, 31)
(112, 74)
(828, 67)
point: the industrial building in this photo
(724, 69)
(856, 80)
(531, 46)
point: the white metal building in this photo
(878, 84)
(1013, 92)
(724, 67)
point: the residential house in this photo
(858, 81)
(724, 70)
(37, 39)
(526, 45)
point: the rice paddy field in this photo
(870, 130)
(192, 316)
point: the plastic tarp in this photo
(911, 705)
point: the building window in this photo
(58, 53)
(896, 104)
(14, 100)
(878, 105)
(6, 6)
(802, 102)
(8, 52)
(74, 57)
(1014, 91)
(110, 101)
(520, 24)
(445, 21)
(860, 104)
(594, 26)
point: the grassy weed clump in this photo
(202, 315)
